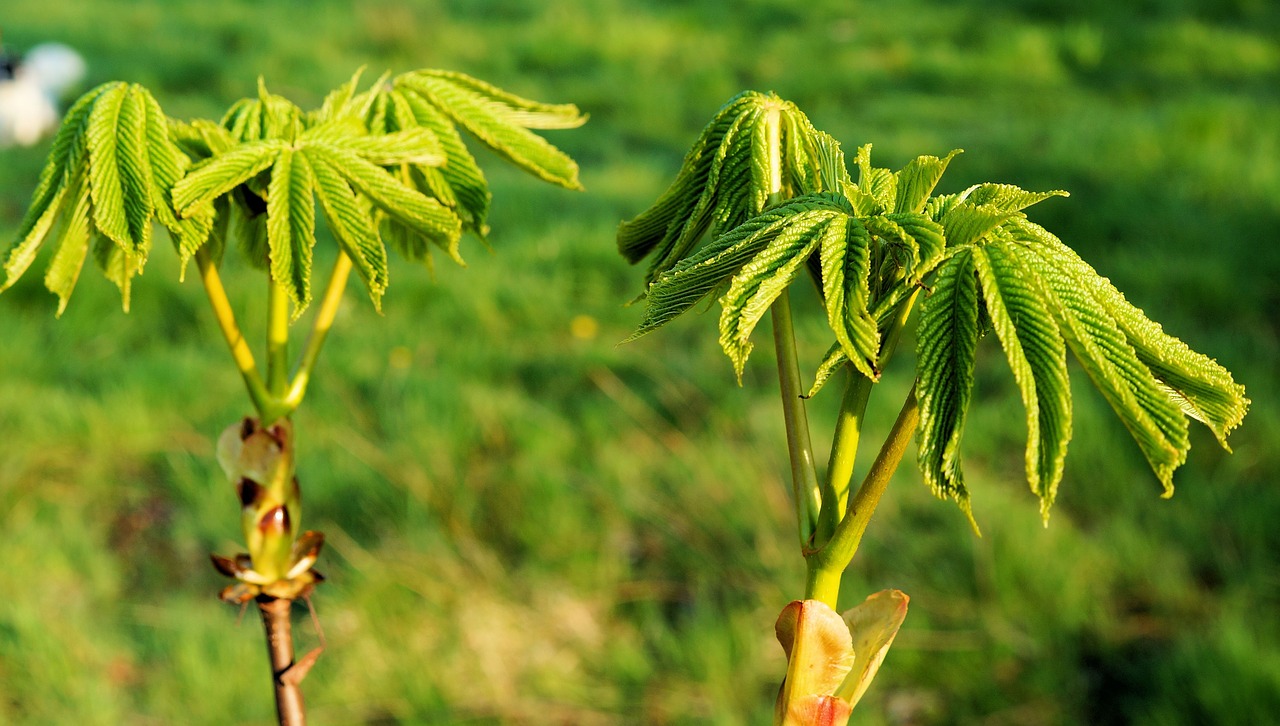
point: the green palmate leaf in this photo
(917, 179)
(72, 245)
(1037, 356)
(266, 117)
(291, 223)
(414, 145)
(216, 176)
(1153, 418)
(726, 179)
(136, 181)
(845, 257)
(760, 282)
(106, 183)
(714, 265)
(945, 344)
(501, 121)
(168, 164)
(425, 216)
(459, 183)
(351, 225)
(106, 148)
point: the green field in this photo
(531, 524)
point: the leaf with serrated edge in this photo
(471, 109)
(211, 179)
(291, 226)
(424, 215)
(760, 282)
(105, 185)
(845, 257)
(135, 169)
(1037, 356)
(1200, 386)
(351, 225)
(520, 111)
(945, 343)
(1154, 420)
(915, 182)
(72, 245)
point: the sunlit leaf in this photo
(945, 342)
(1037, 356)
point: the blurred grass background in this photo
(529, 524)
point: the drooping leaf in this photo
(726, 179)
(406, 205)
(1154, 419)
(760, 282)
(460, 175)
(845, 256)
(291, 226)
(697, 276)
(72, 245)
(351, 225)
(168, 164)
(1034, 347)
(105, 183)
(489, 115)
(945, 342)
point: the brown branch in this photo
(275, 621)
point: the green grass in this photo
(531, 527)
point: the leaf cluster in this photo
(385, 164)
(871, 245)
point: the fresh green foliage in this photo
(388, 160)
(110, 172)
(869, 245)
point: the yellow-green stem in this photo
(804, 475)
(839, 551)
(325, 315)
(844, 452)
(277, 339)
(823, 584)
(240, 352)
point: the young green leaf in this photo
(1037, 356)
(501, 121)
(725, 179)
(291, 225)
(945, 343)
(218, 175)
(351, 225)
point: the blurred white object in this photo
(29, 100)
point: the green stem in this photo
(804, 476)
(325, 315)
(240, 352)
(823, 584)
(838, 552)
(277, 338)
(844, 452)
